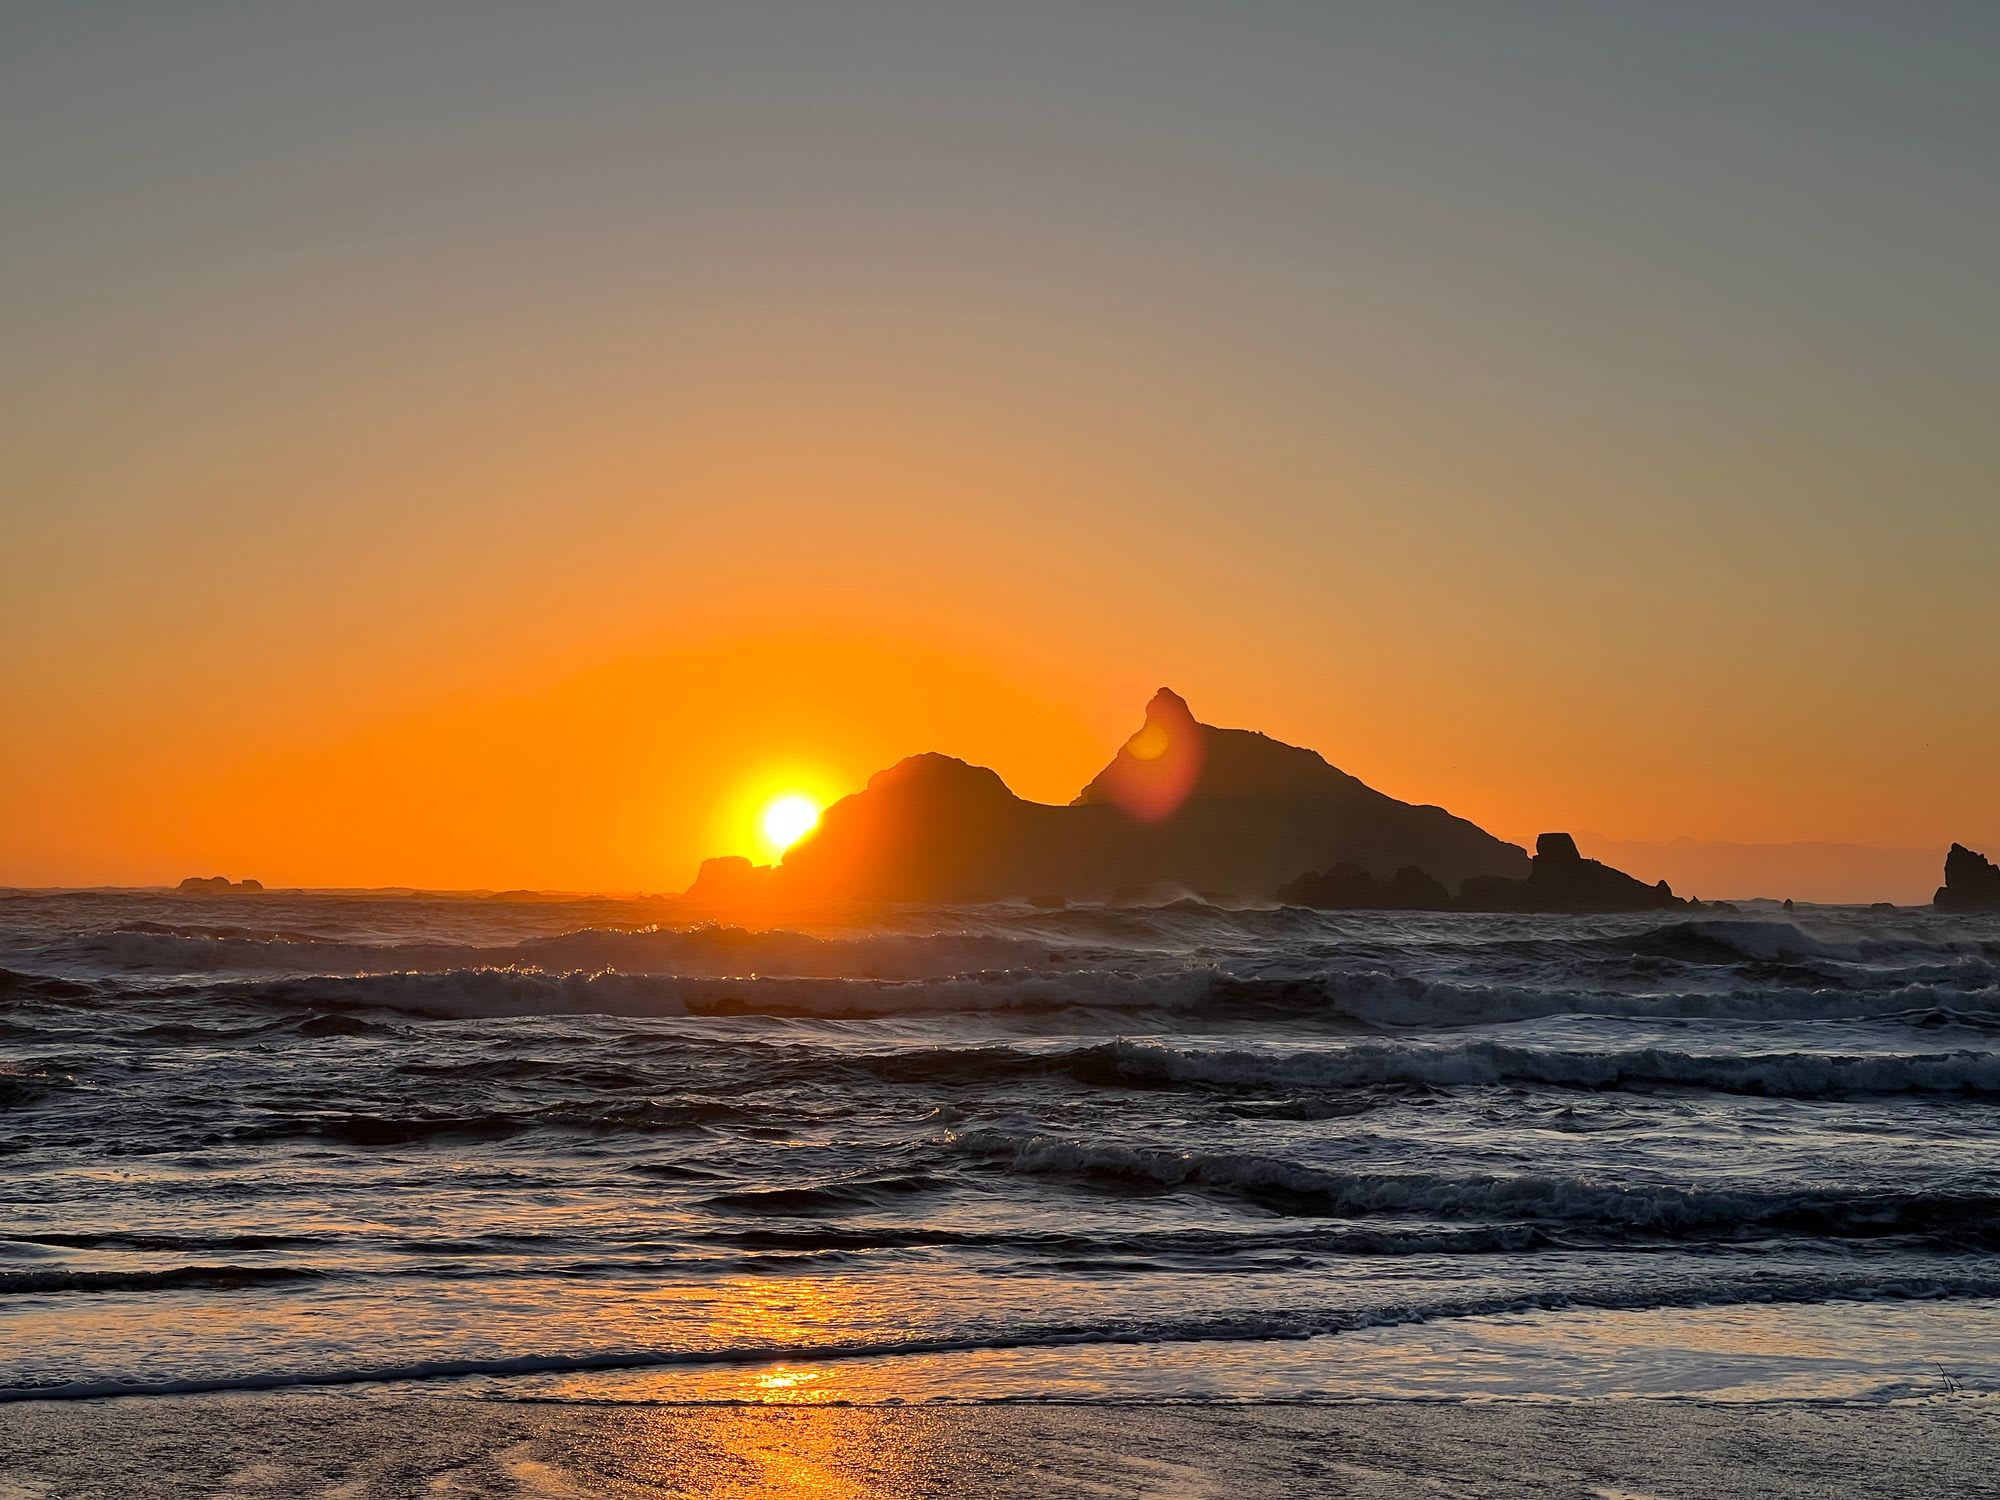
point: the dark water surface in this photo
(994, 1152)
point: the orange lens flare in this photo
(1157, 768)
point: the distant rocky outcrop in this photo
(1971, 882)
(1181, 805)
(1344, 887)
(205, 885)
(1348, 887)
(729, 880)
(1559, 880)
(1562, 880)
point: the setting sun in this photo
(787, 820)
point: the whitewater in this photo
(589, 1150)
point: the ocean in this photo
(571, 1151)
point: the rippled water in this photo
(995, 1151)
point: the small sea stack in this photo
(1971, 882)
(216, 885)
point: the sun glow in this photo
(788, 819)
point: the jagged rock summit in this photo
(1233, 810)
(1182, 804)
(1971, 882)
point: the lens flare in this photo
(1158, 767)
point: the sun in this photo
(788, 819)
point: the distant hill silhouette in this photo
(1231, 810)
(216, 885)
(1182, 804)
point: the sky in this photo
(493, 445)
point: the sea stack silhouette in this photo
(1182, 806)
(1971, 882)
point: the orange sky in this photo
(496, 459)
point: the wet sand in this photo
(376, 1444)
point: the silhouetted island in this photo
(1182, 805)
(202, 885)
(1971, 882)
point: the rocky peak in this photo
(1156, 770)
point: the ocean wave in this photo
(1479, 1063)
(1731, 940)
(158, 1240)
(466, 994)
(845, 1196)
(1245, 1327)
(1780, 1074)
(20, 1087)
(58, 1282)
(1735, 940)
(633, 1116)
(15, 985)
(1226, 1247)
(940, 941)
(1373, 998)
(1537, 1197)
(1390, 1000)
(708, 950)
(559, 1072)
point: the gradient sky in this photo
(493, 445)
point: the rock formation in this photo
(1971, 882)
(1232, 810)
(1563, 880)
(1348, 887)
(200, 885)
(1345, 887)
(729, 880)
(1182, 804)
(1560, 880)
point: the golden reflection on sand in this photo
(767, 1453)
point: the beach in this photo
(382, 1446)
